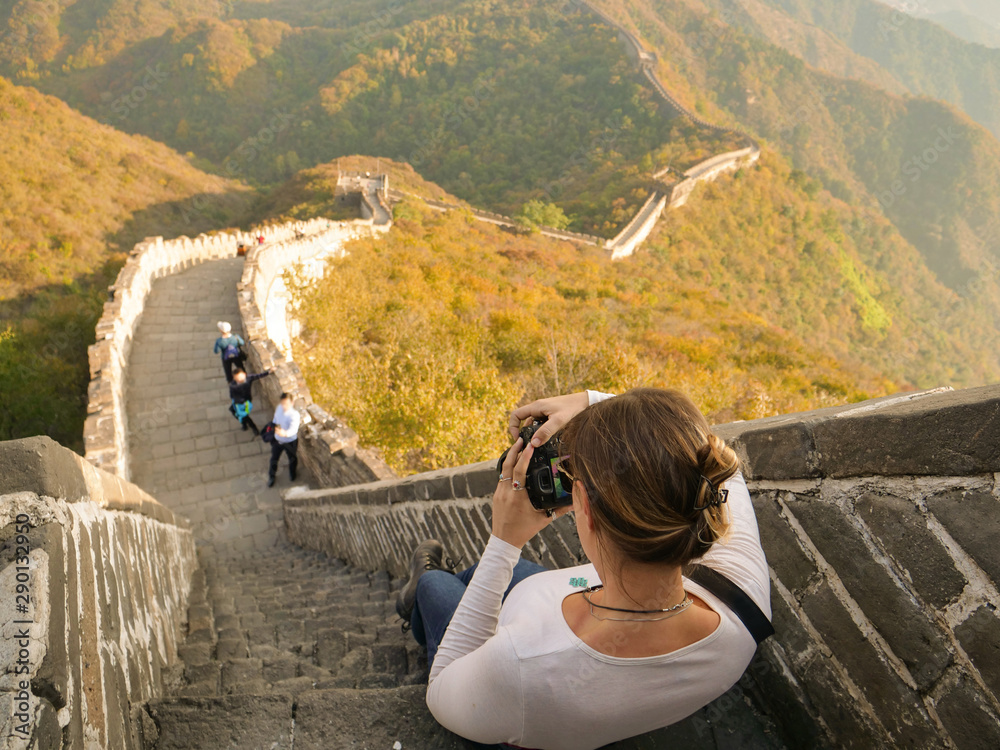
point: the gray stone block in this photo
(481, 479)
(280, 668)
(240, 671)
(980, 639)
(52, 676)
(898, 707)
(294, 685)
(782, 700)
(331, 647)
(902, 530)
(923, 435)
(779, 448)
(781, 545)
(963, 512)
(342, 719)
(794, 639)
(832, 701)
(194, 654)
(389, 659)
(968, 718)
(204, 674)
(356, 663)
(248, 722)
(231, 648)
(906, 626)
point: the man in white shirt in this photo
(286, 437)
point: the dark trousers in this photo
(227, 366)
(438, 595)
(247, 422)
(293, 460)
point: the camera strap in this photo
(733, 597)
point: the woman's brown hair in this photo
(652, 468)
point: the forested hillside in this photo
(933, 173)
(871, 228)
(423, 340)
(75, 197)
(973, 20)
(499, 104)
(915, 52)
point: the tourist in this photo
(286, 437)
(581, 657)
(240, 397)
(228, 345)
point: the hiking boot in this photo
(428, 555)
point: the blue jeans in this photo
(438, 595)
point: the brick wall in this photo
(327, 446)
(105, 430)
(105, 572)
(879, 521)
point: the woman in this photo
(228, 346)
(563, 662)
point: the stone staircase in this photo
(286, 649)
(283, 645)
(288, 640)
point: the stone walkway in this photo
(268, 621)
(285, 648)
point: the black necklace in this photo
(682, 605)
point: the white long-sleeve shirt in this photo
(289, 422)
(517, 673)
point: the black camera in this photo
(548, 486)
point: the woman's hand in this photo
(515, 520)
(559, 411)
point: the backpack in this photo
(267, 434)
(232, 351)
(241, 409)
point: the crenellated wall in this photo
(879, 521)
(500, 220)
(669, 194)
(106, 428)
(327, 446)
(94, 575)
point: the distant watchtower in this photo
(366, 190)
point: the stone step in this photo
(328, 719)
(373, 717)
(288, 619)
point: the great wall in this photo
(178, 602)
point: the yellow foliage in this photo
(425, 339)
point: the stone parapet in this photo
(327, 446)
(879, 521)
(105, 431)
(95, 577)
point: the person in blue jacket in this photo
(228, 345)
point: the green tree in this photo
(537, 213)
